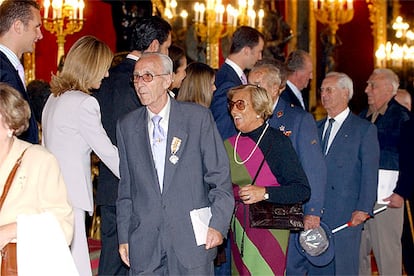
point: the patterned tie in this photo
(325, 139)
(158, 148)
(158, 134)
(20, 70)
(243, 79)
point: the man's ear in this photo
(246, 50)
(18, 26)
(154, 46)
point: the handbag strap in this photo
(261, 164)
(10, 179)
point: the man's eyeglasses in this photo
(147, 77)
(240, 104)
(327, 90)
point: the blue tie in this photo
(158, 134)
(325, 139)
(158, 148)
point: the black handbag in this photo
(269, 215)
(276, 216)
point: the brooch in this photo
(175, 146)
(279, 114)
(287, 133)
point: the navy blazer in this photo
(226, 78)
(290, 97)
(405, 187)
(116, 98)
(389, 128)
(300, 127)
(352, 162)
(9, 75)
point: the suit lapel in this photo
(5, 61)
(175, 132)
(342, 135)
(143, 148)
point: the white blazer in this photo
(72, 128)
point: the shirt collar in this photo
(380, 110)
(164, 113)
(10, 55)
(340, 118)
(133, 57)
(235, 67)
(295, 90)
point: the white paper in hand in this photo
(387, 181)
(200, 218)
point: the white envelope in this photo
(200, 218)
(387, 181)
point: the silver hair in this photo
(167, 63)
(344, 82)
(272, 72)
(390, 76)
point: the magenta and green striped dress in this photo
(259, 251)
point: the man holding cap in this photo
(351, 151)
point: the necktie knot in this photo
(158, 133)
(325, 139)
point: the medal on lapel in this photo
(175, 146)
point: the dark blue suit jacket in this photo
(405, 187)
(290, 97)
(389, 128)
(226, 78)
(9, 75)
(352, 162)
(300, 127)
(116, 98)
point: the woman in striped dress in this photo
(279, 180)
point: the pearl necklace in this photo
(254, 149)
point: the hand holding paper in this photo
(200, 218)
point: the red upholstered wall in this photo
(98, 23)
(354, 56)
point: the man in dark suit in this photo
(169, 167)
(245, 50)
(300, 127)
(20, 23)
(383, 234)
(116, 98)
(299, 65)
(351, 151)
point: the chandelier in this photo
(211, 21)
(66, 17)
(400, 53)
(332, 13)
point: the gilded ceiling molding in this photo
(292, 20)
(378, 17)
(313, 96)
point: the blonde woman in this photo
(72, 128)
(198, 86)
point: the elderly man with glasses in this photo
(172, 164)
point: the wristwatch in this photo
(266, 195)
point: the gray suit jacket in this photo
(200, 178)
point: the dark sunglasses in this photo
(240, 104)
